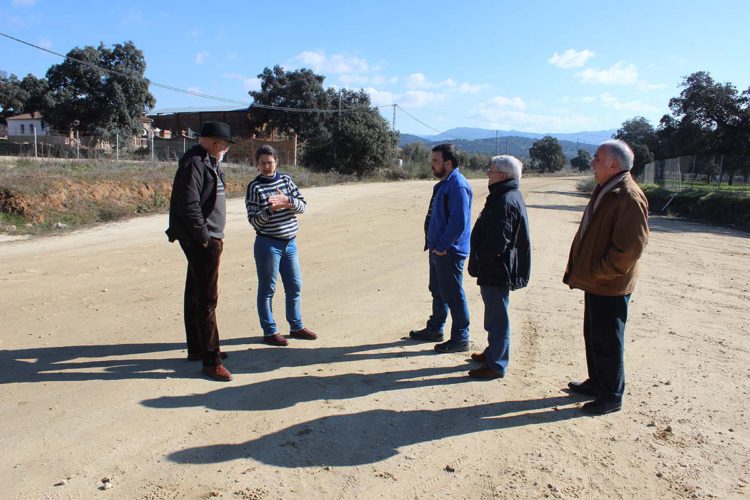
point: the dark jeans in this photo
(201, 297)
(604, 321)
(446, 286)
(497, 323)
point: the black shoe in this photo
(426, 335)
(485, 373)
(585, 387)
(452, 346)
(601, 406)
(198, 357)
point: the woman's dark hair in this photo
(266, 150)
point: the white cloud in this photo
(412, 98)
(23, 3)
(363, 80)
(619, 74)
(197, 90)
(201, 57)
(647, 87)
(45, 43)
(419, 98)
(571, 58)
(248, 82)
(380, 97)
(416, 81)
(468, 88)
(334, 64)
(419, 81)
(510, 113)
(507, 102)
(610, 101)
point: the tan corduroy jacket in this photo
(604, 260)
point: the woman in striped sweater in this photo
(273, 202)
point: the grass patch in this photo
(40, 196)
(715, 207)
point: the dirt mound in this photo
(84, 201)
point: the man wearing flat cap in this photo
(197, 215)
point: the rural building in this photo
(188, 121)
(22, 127)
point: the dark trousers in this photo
(604, 321)
(201, 297)
(446, 287)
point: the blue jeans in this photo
(604, 321)
(497, 324)
(273, 256)
(446, 286)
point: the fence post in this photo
(36, 155)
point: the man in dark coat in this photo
(500, 259)
(197, 216)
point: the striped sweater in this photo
(281, 224)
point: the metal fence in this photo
(701, 172)
(156, 150)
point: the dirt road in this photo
(94, 381)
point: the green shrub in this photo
(719, 208)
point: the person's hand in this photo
(204, 244)
(279, 201)
(440, 254)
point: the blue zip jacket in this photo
(449, 227)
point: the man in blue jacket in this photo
(500, 259)
(447, 231)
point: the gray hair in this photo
(621, 152)
(509, 165)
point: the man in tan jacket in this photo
(603, 262)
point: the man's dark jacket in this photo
(500, 252)
(193, 197)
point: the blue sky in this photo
(537, 66)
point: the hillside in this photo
(469, 133)
(512, 145)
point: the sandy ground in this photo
(94, 381)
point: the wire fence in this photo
(726, 173)
(139, 149)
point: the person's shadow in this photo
(283, 393)
(375, 435)
(128, 361)
(88, 362)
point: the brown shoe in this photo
(303, 334)
(217, 373)
(276, 339)
(484, 373)
(479, 357)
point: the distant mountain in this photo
(409, 138)
(471, 134)
(512, 145)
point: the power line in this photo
(184, 91)
(424, 124)
(126, 74)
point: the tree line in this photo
(102, 91)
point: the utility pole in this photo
(394, 117)
(496, 146)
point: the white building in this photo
(25, 125)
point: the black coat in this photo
(500, 252)
(193, 197)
